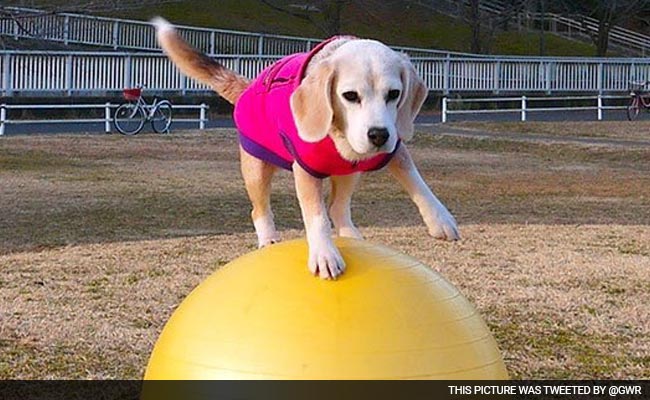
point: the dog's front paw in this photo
(444, 226)
(325, 261)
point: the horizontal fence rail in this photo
(107, 119)
(35, 73)
(140, 35)
(524, 105)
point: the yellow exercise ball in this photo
(264, 316)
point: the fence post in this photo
(7, 78)
(444, 110)
(116, 34)
(68, 74)
(260, 45)
(66, 29)
(496, 80)
(202, 116)
(599, 71)
(548, 76)
(600, 107)
(213, 44)
(447, 75)
(127, 72)
(107, 118)
(523, 108)
(238, 68)
(3, 118)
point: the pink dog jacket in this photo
(267, 129)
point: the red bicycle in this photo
(640, 99)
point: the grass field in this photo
(614, 130)
(102, 236)
(413, 25)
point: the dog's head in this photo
(365, 95)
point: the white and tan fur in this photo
(370, 70)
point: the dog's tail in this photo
(197, 65)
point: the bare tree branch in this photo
(608, 13)
(286, 10)
(78, 6)
(325, 15)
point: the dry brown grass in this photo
(636, 130)
(102, 236)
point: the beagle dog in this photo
(337, 111)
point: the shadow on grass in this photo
(151, 217)
(167, 215)
(68, 190)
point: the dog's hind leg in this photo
(258, 175)
(340, 199)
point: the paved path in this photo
(427, 123)
(72, 127)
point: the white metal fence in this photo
(107, 119)
(583, 26)
(523, 106)
(100, 73)
(140, 35)
(587, 26)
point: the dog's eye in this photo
(352, 97)
(392, 95)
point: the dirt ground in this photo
(101, 237)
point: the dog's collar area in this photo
(344, 167)
(292, 150)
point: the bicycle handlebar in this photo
(640, 83)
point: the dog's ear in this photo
(311, 104)
(413, 96)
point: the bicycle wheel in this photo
(129, 119)
(162, 117)
(633, 109)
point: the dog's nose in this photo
(378, 136)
